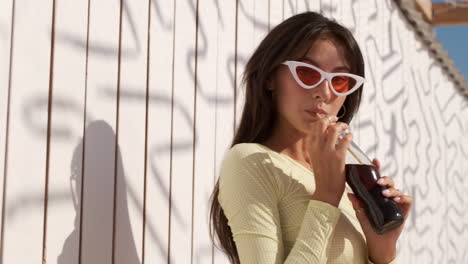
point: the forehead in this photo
(326, 53)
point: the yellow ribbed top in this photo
(265, 196)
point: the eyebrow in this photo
(338, 68)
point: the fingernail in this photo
(386, 191)
(381, 181)
(396, 199)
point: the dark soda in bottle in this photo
(382, 212)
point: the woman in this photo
(280, 197)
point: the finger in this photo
(333, 132)
(376, 162)
(391, 192)
(344, 142)
(323, 124)
(405, 202)
(386, 181)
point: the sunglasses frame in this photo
(292, 65)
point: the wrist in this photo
(382, 257)
(327, 197)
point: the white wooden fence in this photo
(114, 116)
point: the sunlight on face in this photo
(293, 100)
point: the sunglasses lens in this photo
(342, 84)
(307, 75)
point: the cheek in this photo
(290, 98)
(290, 91)
(290, 104)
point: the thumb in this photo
(354, 201)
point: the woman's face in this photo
(294, 102)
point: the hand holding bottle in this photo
(327, 152)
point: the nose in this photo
(323, 91)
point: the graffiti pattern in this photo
(142, 117)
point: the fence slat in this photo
(131, 134)
(225, 69)
(26, 157)
(252, 28)
(182, 133)
(205, 140)
(245, 48)
(289, 9)
(159, 131)
(65, 162)
(100, 133)
(276, 13)
(6, 11)
(260, 15)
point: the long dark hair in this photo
(295, 34)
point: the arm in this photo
(249, 196)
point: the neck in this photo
(288, 140)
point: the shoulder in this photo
(247, 170)
(246, 153)
(245, 149)
(246, 157)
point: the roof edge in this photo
(424, 30)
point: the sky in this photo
(454, 39)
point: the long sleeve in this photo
(249, 195)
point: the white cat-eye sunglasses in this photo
(309, 76)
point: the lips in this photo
(317, 111)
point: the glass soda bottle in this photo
(361, 175)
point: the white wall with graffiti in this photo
(114, 116)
